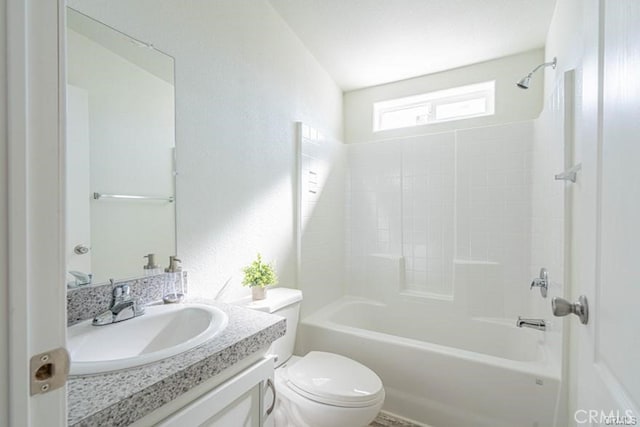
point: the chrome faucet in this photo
(80, 279)
(538, 324)
(124, 307)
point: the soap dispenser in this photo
(173, 282)
(151, 269)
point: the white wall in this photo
(242, 81)
(131, 132)
(4, 290)
(440, 203)
(512, 103)
(565, 40)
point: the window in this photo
(457, 103)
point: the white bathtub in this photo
(444, 372)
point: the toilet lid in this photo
(335, 380)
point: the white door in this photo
(608, 374)
(36, 315)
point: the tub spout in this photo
(538, 324)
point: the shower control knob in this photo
(81, 249)
(561, 307)
(541, 282)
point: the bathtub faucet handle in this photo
(541, 282)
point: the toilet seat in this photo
(334, 380)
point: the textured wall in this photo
(242, 81)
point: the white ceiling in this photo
(369, 42)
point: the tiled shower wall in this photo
(428, 196)
(493, 215)
(440, 201)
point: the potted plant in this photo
(258, 275)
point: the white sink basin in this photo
(163, 331)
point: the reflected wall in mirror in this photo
(120, 141)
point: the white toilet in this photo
(320, 389)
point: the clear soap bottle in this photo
(173, 282)
(151, 268)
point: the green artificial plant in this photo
(259, 274)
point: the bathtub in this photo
(445, 372)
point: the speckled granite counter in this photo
(122, 397)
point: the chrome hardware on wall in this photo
(561, 307)
(542, 282)
(81, 249)
(538, 324)
(80, 279)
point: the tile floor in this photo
(384, 420)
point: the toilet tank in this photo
(283, 302)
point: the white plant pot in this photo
(258, 293)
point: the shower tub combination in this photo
(448, 371)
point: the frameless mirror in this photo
(120, 152)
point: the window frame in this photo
(432, 100)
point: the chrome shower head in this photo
(524, 82)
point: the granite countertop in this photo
(121, 397)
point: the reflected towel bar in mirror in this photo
(98, 196)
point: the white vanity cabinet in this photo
(245, 400)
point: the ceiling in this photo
(364, 43)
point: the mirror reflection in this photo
(120, 153)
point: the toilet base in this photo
(294, 410)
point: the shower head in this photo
(524, 82)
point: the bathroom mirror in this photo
(120, 152)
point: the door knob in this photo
(561, 307)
